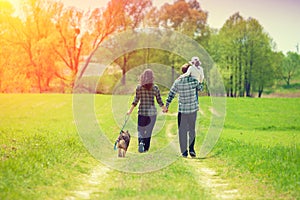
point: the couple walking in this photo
(186, 86)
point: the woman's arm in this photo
(131, 109)
(159, 100)
(135, 101)
(158, 97)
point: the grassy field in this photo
(260, 142)
(43, 157)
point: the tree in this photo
(103, 23)
(185, 17)
(244, 54)
(55, 39)
(133, 14)
(81, 33)
(69, 43)
(231, 44)
(32, 34)
(259, 69)
(5, 15)
(290, 67)
(13, 73)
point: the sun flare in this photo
(14, 3)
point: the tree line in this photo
(48, 45)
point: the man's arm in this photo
(194, 83)
(200, 86)
(187, 73)
(172, 94)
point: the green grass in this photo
(39, 143)
(261, 138)
(42, 155)
(50, 159)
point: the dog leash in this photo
(125, 122)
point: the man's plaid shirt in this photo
(186, 88)
(146, 98)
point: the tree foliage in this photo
(185, 17)
(290, 67)
(243, 51)
(49, 46)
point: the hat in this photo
(194, 60)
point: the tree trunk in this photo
(260, 91)
(248, 93)
(124, 69)
(248, 86)
(240, 74)
(236, 78)
(288, 80)
(241, 91)
(40, 84)
(231, 85)
(47, 84)
(173, 74)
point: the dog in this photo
(122, 143)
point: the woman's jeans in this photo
(145, 128)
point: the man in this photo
(187, 110)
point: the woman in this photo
(145, 93)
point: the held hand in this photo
(164, 109)
(130, 110)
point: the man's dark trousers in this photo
(186, 125)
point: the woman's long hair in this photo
(146, 79)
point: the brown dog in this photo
(122, 143)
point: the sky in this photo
(280, 18)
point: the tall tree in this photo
(290, 67)
(15, 76)
(69, 43)
(32, 34)
(231, 41)
(5, 16)
(260, 71)
(81, 33)
(134, 14)
(244, 55)
(103, 23)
